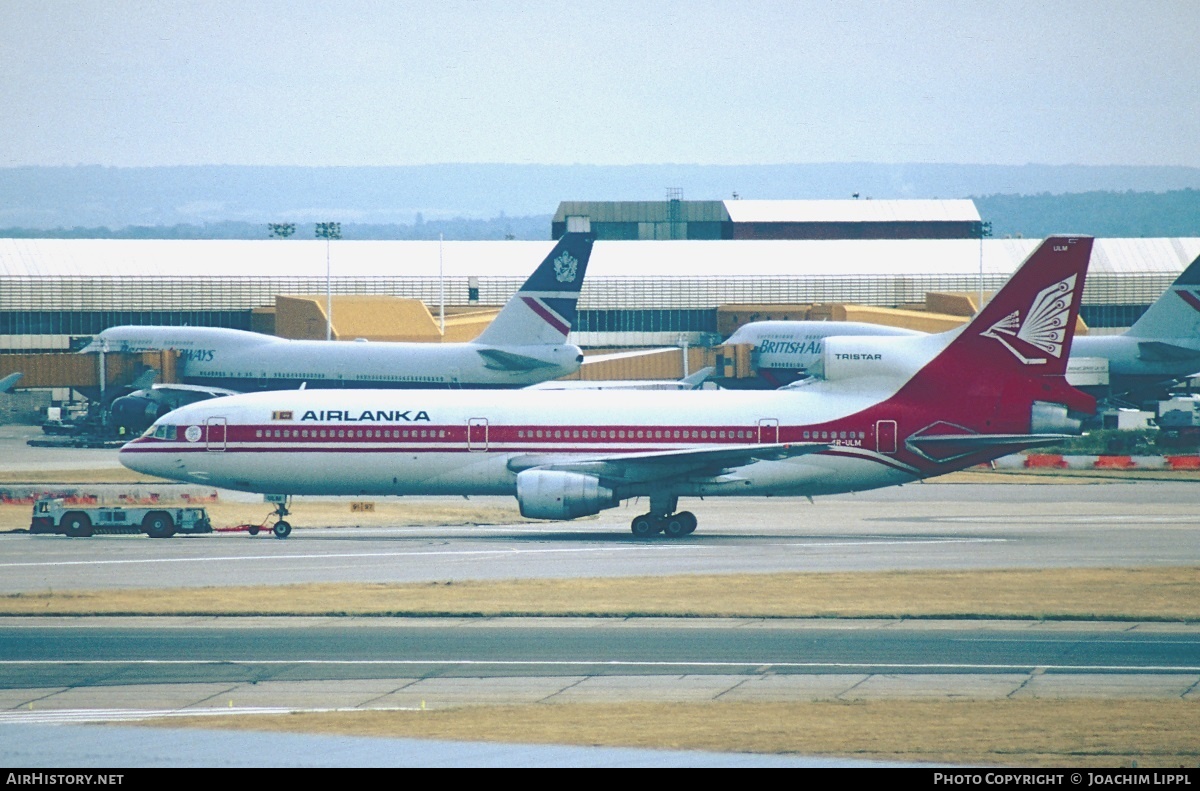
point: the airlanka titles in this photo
(377, 416)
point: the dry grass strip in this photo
(1027, 733)
(1136, 594)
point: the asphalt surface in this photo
(59, 673)
(922, 526)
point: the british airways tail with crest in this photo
(543, 311)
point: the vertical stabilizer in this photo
(543, 311)
(1176, 314)
(1012, 356)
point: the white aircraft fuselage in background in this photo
(1162, 346)
(249, 361)
(524, 344)
(947, 402)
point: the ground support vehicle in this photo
(55, 515)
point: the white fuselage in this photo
(470, 443)
(248, 361)
(801, 348)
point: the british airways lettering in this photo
(381, 416)
(197, 355)
(789, 347)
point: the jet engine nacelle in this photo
(848, 357)
(548, 494)
(1047, 418)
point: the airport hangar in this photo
(664, 273)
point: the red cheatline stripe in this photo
(546, 315)
(1189, 298)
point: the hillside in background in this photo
(517, 201)
(1105, 214)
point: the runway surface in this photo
(61, 676)
(922, 526)
(63, 673)
(112, 652)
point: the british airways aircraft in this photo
(924, 407)
(1161, 348)
(523, 345)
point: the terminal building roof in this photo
(827, 211)
(253, 259)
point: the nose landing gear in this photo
(281, 529)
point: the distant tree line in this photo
(535, 228)
(1103, 214)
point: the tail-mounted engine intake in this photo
(548, 494)
(1047, 418)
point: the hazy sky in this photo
(115, 82)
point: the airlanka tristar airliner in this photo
(929, 406)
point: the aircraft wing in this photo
(193, 390)
(1160, 351)
(696, 380)
(630, 468)
(498, 360)
(693, 382)
(603, 358)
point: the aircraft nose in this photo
(135, 457)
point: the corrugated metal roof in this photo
(206, 258)
(852, 210)
(643, 211)
(118, 258)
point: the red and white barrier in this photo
(1058, 461)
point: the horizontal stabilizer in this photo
(1160, 351)
(498, 360)
(944, 447)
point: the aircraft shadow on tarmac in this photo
(617, 536)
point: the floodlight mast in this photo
(441, 291)
(328, 231)
(985, 230)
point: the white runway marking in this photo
(521, 663)
(59, 716)
(1075, 519)
(676, 547)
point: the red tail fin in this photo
(1014, 352)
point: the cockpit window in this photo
(164, 431)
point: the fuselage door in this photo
(885, 436)
(768, 431)
(477, 434)
(217, 428)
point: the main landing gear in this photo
(662, 518)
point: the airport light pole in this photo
(441, 291)
(985, 230)
(328, 231)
